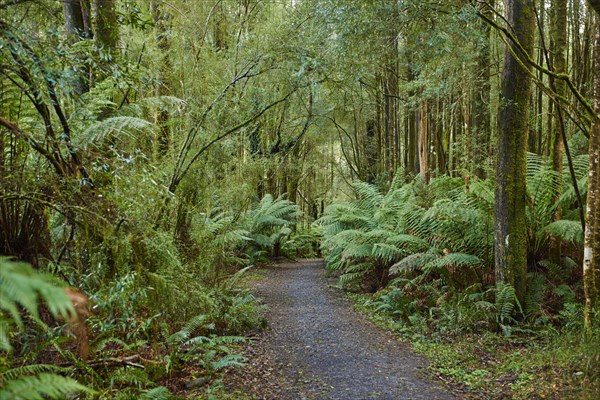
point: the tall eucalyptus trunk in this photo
(510, 239)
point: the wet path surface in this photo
(323, 349)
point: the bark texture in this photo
(510, 241)
(481, 99)
(424, 142)
(558, 36)
(590, 251)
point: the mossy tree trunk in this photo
(558, 36)
(510, 241)
(481, 99)
(591, 237)
(107, 25)
(162, 23)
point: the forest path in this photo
(318, 347)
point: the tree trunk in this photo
(591, 236)
(481, 98)
(77, 15)
(558, 33)
(371, 150)
(510, 240)
(107, 27)
(424, 142)
(161, 22)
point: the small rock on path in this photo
(318, 347)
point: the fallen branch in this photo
(116, 362)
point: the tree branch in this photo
(177, 179)
(525, 57)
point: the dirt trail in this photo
(318, 347)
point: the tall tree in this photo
(424, 142)
(481, 97)
(558, 37)
(592, 230)
(510, 240)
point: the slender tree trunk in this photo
(536, 140)
(558, 33)
(413, 148)
(424, 142)
(481, 98)
(510, 241)
(371, 151)
(161, 22)
(591, 237)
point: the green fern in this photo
(21, 285)
(41, 387)
(121, 127)
(158, 393)
(506, 303)
(188, 330)
(568, 231)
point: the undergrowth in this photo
(425, 252)
(546, 363)
(165, 322)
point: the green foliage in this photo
(40, 387)
(21, 286)
(440, 230)
(211, 352)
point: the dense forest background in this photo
(442, 156)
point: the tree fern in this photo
(413, 262)
(568, 231)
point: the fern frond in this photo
(26, 370)
(568, 231)
(412, 263)
(230, 360)
(457, 260)
(188, 329)
(158, 393)
(118, 126)
(41, 387)
(21, 285)
(387, 252)
(505, 303)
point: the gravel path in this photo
(318, 347)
